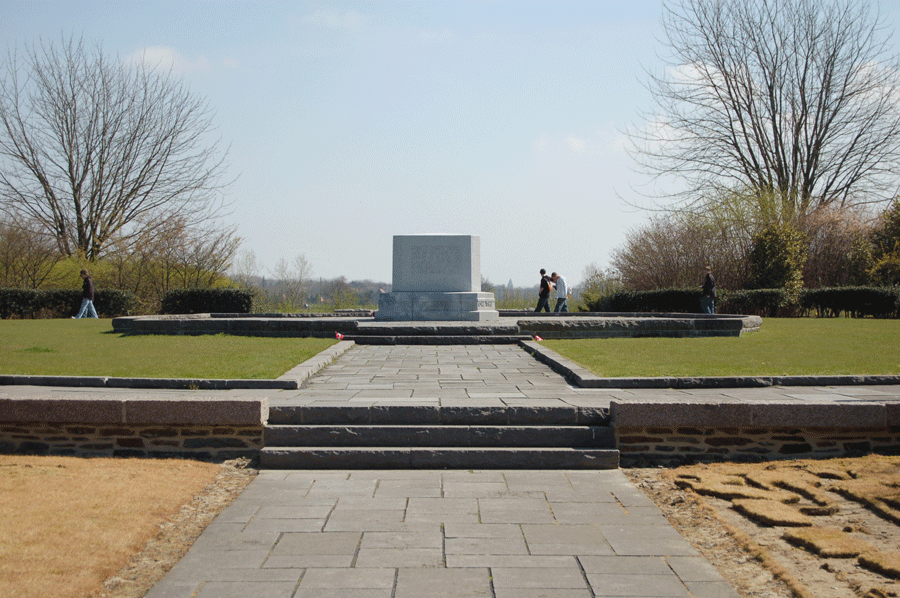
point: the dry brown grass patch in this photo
(884, 563)
(771, 512)
(729, 487)
(875, 494)
(829, 542)
(823, 492)
(69, 523)
(792, 479)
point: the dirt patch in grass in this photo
(851, 504)
(74, 527)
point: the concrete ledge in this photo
(434, 415)
(148, 383)
(569, 325)
(168, 411)
(639, 414)
(299, 374)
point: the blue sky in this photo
(351, 122)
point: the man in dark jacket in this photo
(87, 297)
(708, 293)
(544, 293)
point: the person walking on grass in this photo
(562, 293)
(87, 297)
(708, 293)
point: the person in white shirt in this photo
(562, 293)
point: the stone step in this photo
(427, 415)
(437, 458)
(440, 436)
(460, 339)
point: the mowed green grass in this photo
(89, 347)
(795, 346)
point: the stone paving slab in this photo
(450, 533)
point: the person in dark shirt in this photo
(708, 293)
(87, 297)
(544, 293)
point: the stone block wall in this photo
(178, 426)
(211, 443)
(678, 445)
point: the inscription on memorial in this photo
(431, 260)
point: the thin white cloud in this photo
(576, 145)
(348, 21)
(166, 58)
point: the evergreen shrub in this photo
(659, 300)
(755, 302)
(62, 303)
(880, 302)
(201, 301)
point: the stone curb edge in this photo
(583, 378)
(291, 380)
(314, 364)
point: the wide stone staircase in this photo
(416, 437)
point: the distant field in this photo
(91, 348)
(789, 346)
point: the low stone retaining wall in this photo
(674, 433)
(676, 446)
(367, 329)
(211, 443)
(202, 428)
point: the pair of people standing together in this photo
(548, 283)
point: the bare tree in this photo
(796, 99)
(91, 146)
(670, 252)
(293, 278)
(837, 252)
(28, 255)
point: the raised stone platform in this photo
(512, 327)
(406, 406)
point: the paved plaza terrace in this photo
(412, 471)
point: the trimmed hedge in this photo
(754, 302)
(880, 302)
(857, 302)
(202, 301)
(659, 300)
(62, 303)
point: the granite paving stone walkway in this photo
(449, 533)
(416, 534)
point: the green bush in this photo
(755, 302)
(660, 300)
(880, 302)
(62, 303)
(201, 301)
(777, 256)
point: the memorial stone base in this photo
(410, 306)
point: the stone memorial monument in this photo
(436, 278)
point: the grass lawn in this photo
(791, 346)
(89, 347)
